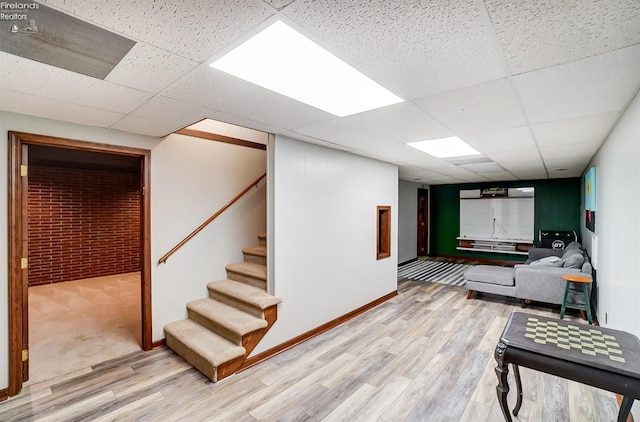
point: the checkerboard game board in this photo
(589, 341)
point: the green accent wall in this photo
(557, 207)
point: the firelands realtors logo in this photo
(16, 11)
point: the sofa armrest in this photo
(539, 253)
(542, 284)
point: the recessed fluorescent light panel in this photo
(281, 59)
(445, 147)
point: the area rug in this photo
(436, 271)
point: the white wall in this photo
(617, 254)
(324, 235)
(190, 179)
(408, 220)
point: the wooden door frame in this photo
(422, 192)
(17, 217)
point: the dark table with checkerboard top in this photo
(600, 357)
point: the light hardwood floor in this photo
(426, 355)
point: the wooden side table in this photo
(584, 283)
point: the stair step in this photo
(248, 273)
(255, 250)
(242, 296)
(223, 319)
(201, 347)
(262, 238)
(255, 255)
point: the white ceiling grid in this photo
(534, 85)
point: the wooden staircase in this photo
(224, 328)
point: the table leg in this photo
(564, 300)
(516, 373)
(587, 302)
(502, 371)
(625, 408)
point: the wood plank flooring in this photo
(425, 355)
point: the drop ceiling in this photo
(535, 86)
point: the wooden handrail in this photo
(166, 256)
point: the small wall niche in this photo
(383, 232)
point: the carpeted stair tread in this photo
(262, 238)
(249, 269)
(201, 342)
(225, 316)
(253, 296)
(255, 250)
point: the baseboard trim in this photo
(4, 394)
(159, 344)
(407, 262)
(260, 357)
(619, 399)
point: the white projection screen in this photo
(497, 218)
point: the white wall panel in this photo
(615, 241)
(617, 224)
(324, 235)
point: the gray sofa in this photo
(538, 279)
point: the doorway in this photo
(26, 149)
(423, 222)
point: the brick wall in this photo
(82, 223)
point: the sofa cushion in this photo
(490, 274)
(573, 260)
(586, 267)
(550, 261)
(573, 245)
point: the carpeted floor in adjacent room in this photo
(76, 324)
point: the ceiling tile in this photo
(278, 4)
(522, 160)
(194, 30)
(140, 126)
(412, 48)
(515, 138)
(411, 173)
(529, 174)
(499, 176)
(575, 150)
(582, 129)
(563, 174)
(483, 167)
(161, 116)
(489, 106)
(530, 165)
(475, 178)
(149, 68)
(69, 87)
(31, 105)
(599, 84)
(400, 152)
(342, 132)
(316, 141)
(569, 164)
(219, 91)
(403, 122)
(541, 33)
